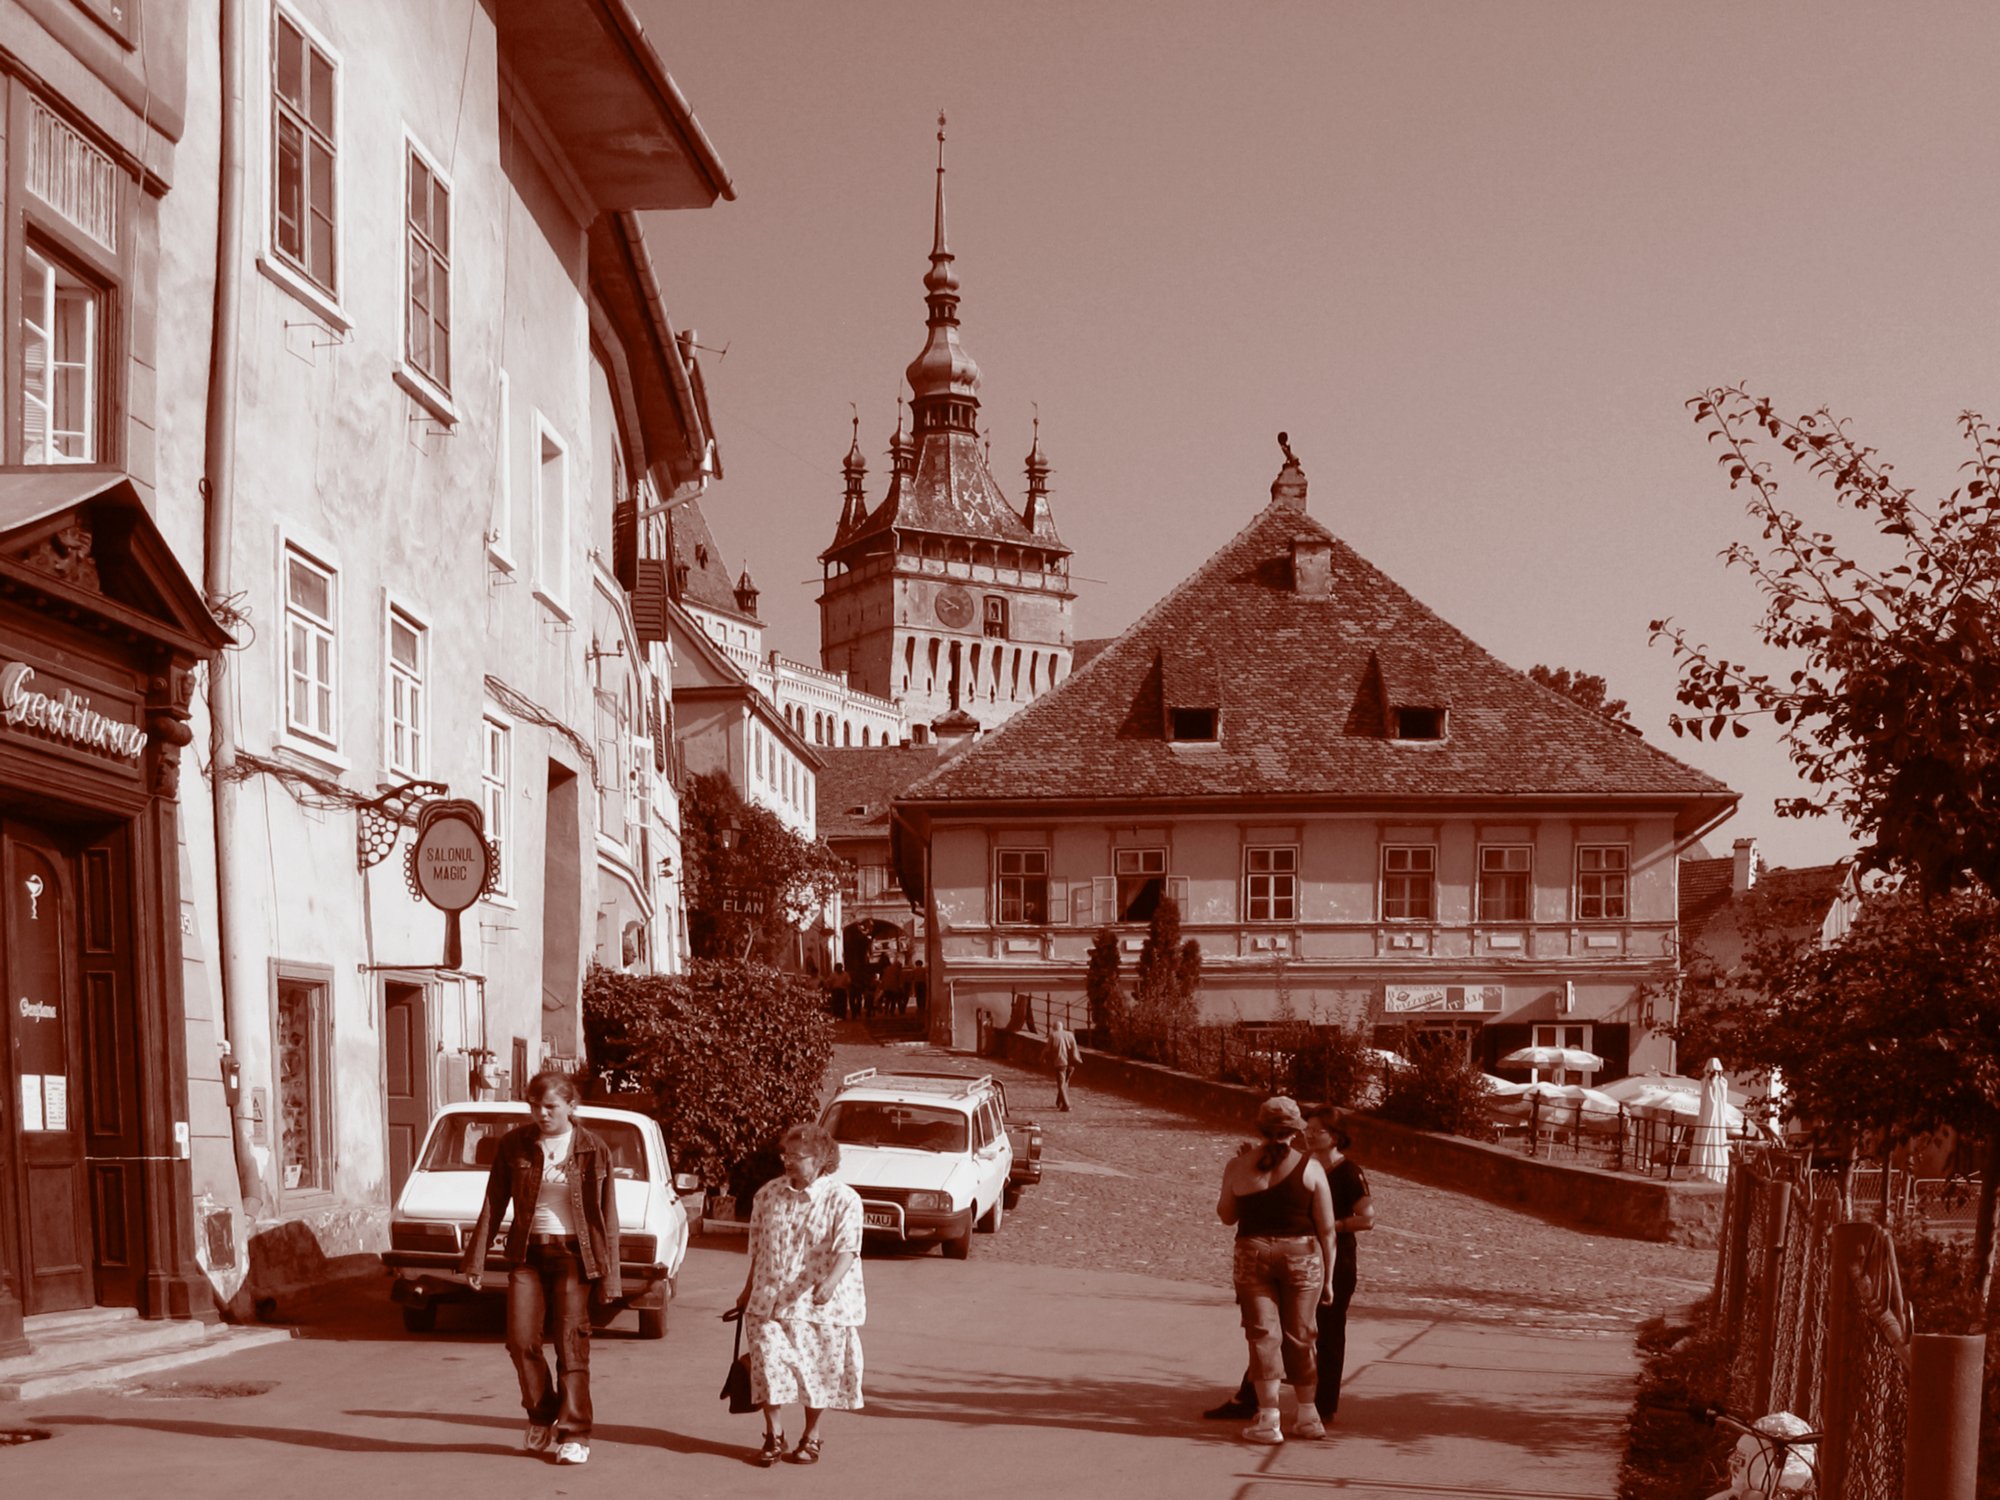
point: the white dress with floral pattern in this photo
(802, 1350)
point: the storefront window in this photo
(302, 1101)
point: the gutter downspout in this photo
(219, 517)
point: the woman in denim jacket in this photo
(563, 1243)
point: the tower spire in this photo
(853, 469)
(1035, 515)
(944, 381)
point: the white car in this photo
(440, 1204)
(929, 1154)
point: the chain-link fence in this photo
(1810, 1301)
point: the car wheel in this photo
(960, 1247)
(994, 1217)
(652, 1322)
(421, 1319)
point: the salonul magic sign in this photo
(67, 715)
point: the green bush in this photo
(730, 1054)
(1442, 1089)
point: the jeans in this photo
(1332, 1352)
(1278, 1286)
(549, 1288)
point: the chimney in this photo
(953, 729)
(1312, 566)
(1744, 874)
(1289, 488)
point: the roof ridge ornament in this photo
(1289, 488)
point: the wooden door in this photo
(114, 1144)
(44, 1076)
(407, 1056)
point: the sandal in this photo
(772, 1451)
(807, 1451)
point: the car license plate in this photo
(880, 1218)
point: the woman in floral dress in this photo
(802, 1300)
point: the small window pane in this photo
(310, 590)
(319, 107)
(291, 62)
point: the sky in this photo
(1474, 258)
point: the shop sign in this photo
(64, 714)
(1441, 997)
(450, 863)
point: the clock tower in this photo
(944, 596)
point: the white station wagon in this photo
(440, 1204)
(929, 1154)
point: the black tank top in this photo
(1283, 1209)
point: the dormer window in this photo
(1196, 725)
(1418, 723)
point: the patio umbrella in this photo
(1673, 1105)
(1708, 1155)
(1630, 1087)
(1537, 1058)
(1387, 1059)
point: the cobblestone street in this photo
(1131, 1187)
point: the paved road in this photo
(1069, 1356)
(1129, 1186)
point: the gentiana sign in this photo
(66, 715)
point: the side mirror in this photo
(686, 1183)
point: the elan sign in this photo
(64, 714)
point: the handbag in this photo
(736, 1387)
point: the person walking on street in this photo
(1067, 1054)
(1278, 1199)
(562, 1245)
(802, 1300)
(1353, 1213)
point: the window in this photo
(1142, 880)
(495, 767)
(1409, 883)
(1024, 885)
(1194, 723)
(311, 650)
(1503, 883)
(409, 645)
(552, 519)
(1271, 884)
(996, 616)
(60, 322)
(1419, 723)
(302, 153)
(1601, 882)
(1566, 1036)
(427, 317)
(303, 1120)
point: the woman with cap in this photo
(1278, 1198)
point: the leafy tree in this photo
(1891, 1033)
(1102, 989)
(752, 897)
(1892, 716)
(729, 1052)
(1585, 688)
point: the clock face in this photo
(954, 607)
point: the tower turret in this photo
(746, 594)
(854, 500)
(944, 381)
(1036, 515)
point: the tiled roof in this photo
(868, 778)
(1306, 686)
(1787, 903)
(1081, 652)
(1704, 889)
(707, 579)
(950, 493)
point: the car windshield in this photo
(467, 1143)
(917, 1127)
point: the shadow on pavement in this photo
(1404, 1420)
(631, 1437)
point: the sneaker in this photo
(1309, 1427)
(538, 1438)
(1264, 1430)
(1231, 1410)
(573, 1453)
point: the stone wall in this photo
(1644, 1208)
